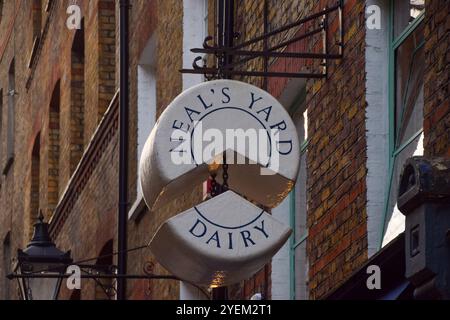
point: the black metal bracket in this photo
(104, 272)
(229, 57)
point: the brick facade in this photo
(337, 243)
(437, 73)
(55, 94)
(66, 144)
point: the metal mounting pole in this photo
(123, 150)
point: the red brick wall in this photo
(437, 73)
(33, 114)
(107, 54)
(336, 190)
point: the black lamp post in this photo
(41, 265)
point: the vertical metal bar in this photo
(225, 39)
(325, 42)
(341, 28)
(228, 31)
(265, 43)
(292, 245)
(123, 151)
(220, 32)
(220, 23)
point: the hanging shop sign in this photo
(223, 115)
(245, 139)
(219, 242)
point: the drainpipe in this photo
(123, 151)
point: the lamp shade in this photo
(41, 265)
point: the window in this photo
(195, 29)
(1, 10)
(10, 118)
(37, 18)
(35, 179)
(77, 107)
(6, 267)
(406, 101)
(107, 55)
(290, 265)
(405, 13)
(298, 214)
(146, 109)
(53, 149)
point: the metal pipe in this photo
(123, 151)
(226, 30)
(266, 43)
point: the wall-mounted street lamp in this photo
(44, 263)
(41, 268)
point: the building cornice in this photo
(105, 132)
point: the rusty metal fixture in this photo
(229, 56)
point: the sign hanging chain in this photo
(225, 173)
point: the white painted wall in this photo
(280, 262)
(146, 110)
(280, 277)
(146, 101)
(194, 32)
(377, 124)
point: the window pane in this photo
(409, 86)
(301, 273)
(405, 11)
(300, 119)
(395, 219)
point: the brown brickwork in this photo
(39, 179)
(77, 96)
(66, 123)
(107, 54)
(337, 242)
(163, 19)
(437, 79)
(336, 160)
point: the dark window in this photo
(77, 92)
(37, 18)
(107, 55)
(53, 149)
(409, 63)
(6, 266)
(35, 178)
(405, 12)
(10, 118)
(105, 287)
(1, 10)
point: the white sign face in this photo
(246, 123)
(219, 242)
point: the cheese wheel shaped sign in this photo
(223, 117)
(219, 242)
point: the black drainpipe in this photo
(123, 150)
(225, 24)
